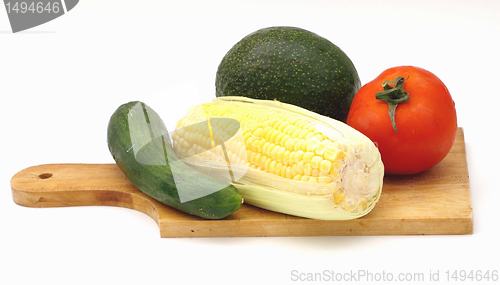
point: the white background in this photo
(60, 82)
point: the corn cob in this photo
(283, 158)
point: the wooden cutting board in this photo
(435, 202)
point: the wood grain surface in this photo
(434, 202)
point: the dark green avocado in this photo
(290, 65)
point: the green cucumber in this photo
(293, 66)
(139, 143)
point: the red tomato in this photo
(425, 121)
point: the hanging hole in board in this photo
(45, 175)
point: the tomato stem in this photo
(393, 94)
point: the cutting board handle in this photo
(63, 185)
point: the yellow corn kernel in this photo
(278, 138)
(267, 163)
(307, 169)
(303, 133)
(282, 152)
(307, 156)
(300, 124)
(274, 152)
(312, 146)
(256, 156)
(320, 150)
(289, 173)
(262, 158)
(258, 132)
(318, 137)
(288, 129)
(299, 167)
(315, 161)
(272, 165)
(341, 155)
(280, 125)
(265, 148)
(251, 156)
(297, 177)
(273, 134)
(277, 169)
(363, 203)
(309, 135)
(251, 146)
(274, 123)
(296, 132)
(330, 154)
(324, 167)
(290, 143)
(296, 147)
(287, 157)
(265, 135)
(338, 197)
(315, 172)
(258, 145)
(298, 156)
(249, 140)
(283, 139)
(246, 134)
